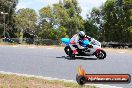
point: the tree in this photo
(91, 29)
(57, 33)
(112, 21)
(63, 15)
(94, 23)
(52, 22)
(8, 6)
(45, 22)
(117, 21)
(46, 13)
(25, 21)
(75, 22)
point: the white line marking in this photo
(50, 78)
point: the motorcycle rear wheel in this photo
(69, 52)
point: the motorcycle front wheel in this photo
(101, 54)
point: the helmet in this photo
(81, 34)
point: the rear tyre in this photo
(101, 54)
(69, 52)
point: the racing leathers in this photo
(75, 41)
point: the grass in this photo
(15, 81)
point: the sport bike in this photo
(92, 48)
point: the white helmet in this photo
(81, 34)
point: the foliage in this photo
(62, 16)
(112, 21)
(7, 6)
(25, 21)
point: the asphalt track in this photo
(52, 62)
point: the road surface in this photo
(52, 62)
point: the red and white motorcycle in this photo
(92, 48)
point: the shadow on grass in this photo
(77, 58)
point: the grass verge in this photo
(15, 81)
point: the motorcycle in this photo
(92, 48)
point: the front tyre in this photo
(101, 54)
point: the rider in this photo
(75, 41)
